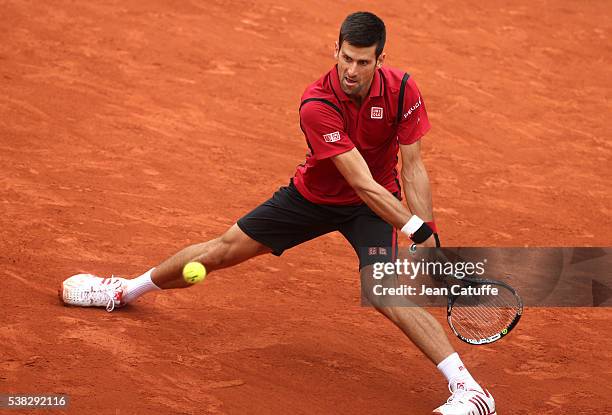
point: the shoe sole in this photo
(440, 413)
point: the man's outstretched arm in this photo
(356, 172)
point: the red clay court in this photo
(129, 129)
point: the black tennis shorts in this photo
(288, 219)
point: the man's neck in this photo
(360, 98)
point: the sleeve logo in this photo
(413, 108)
(376, 113)
(332, 137)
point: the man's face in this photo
(356, 68)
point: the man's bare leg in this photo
(429, 336)
(231, 248)
(422, 329)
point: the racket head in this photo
(480, 315)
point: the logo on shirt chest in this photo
(376, 113)
(332, 137)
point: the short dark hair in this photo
(363, 29)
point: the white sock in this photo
(139, 286)
(454, 370)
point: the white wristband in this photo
(412, 225)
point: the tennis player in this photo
(356, 119)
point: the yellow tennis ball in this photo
(194, 272)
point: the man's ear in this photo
(336, 50)
(381, 60)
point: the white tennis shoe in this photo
(86, 290)
(467, 401)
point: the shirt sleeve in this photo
(324, 130)
(414, 123)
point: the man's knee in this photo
(217, 253)
(231, 248)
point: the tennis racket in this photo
(482, 311)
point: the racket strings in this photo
(483, 316)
